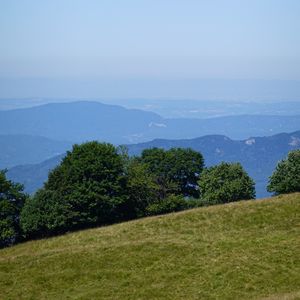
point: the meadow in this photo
(243, 250)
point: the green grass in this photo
(245, 250)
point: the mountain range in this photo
(179, 108)
(258, 155)
(83, 121)
(27, 149)
(33, 140)
(77, 122)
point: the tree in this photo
(286, 177)
(44, 214)
(177, 170)
(141, 189)
(224, 183)
(12, 200)
(86, 189)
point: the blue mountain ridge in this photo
(258, 155)
(83, 121)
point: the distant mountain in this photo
(235, 127)
(83, 121)
(78, 122)
(258, 155)
(178, 108)
(33, 175)
(27, 149)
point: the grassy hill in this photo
(245, 250)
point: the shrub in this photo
(172, 203)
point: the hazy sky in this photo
(157, 39)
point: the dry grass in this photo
(245, 250)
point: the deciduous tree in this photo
(12, 200)
(286, 177)
(226, 182)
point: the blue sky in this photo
(148, 48)
(157, 39)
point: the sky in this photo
(61, 42)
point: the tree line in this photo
(98, 184)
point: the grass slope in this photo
(245, 250)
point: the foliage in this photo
(141, 189)
(85, 190)
(99, 184)
(177, 170)
(45, 214)
(171, 204)
(286, 177)
(12, 200)
(226, 182)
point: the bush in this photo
(172, 203)
(286, 177)
(224, 183)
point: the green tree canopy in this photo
(46, 213)
(177, 170)
(12, 200)
(226, 182)
(286, 177)
(141, 189)
(85, 190)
